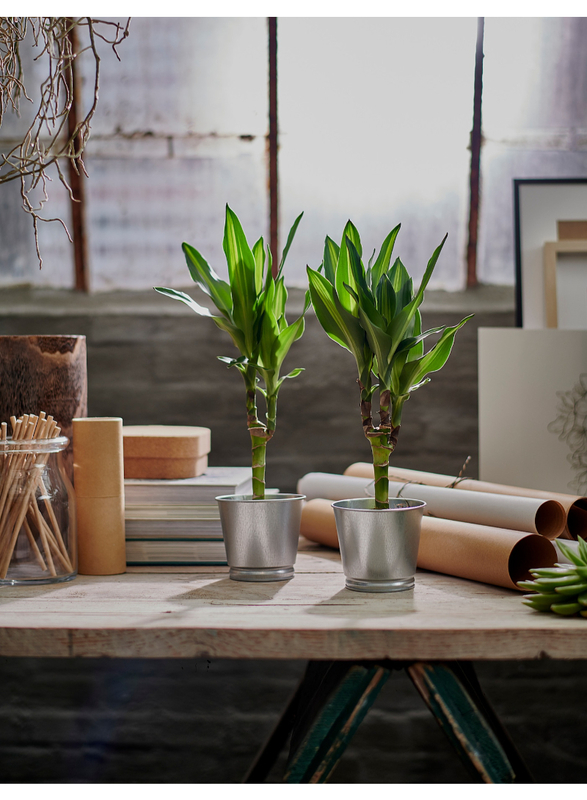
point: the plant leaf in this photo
(381, 266)
(290, 238)
(242, 270)
(338, 323)
(208, 281)
(185, 298)
(259, 256)
(435, 359)
(330, 261)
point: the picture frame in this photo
(565, 289)
(539, 204)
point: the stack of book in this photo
(176, 522)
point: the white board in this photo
(525, 379)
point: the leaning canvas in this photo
(533, 408)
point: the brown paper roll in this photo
(98, 467)
(482, 553)
(477, 552)
(318, 523)
(575, 505)
(101, 540)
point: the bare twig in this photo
(47, 141)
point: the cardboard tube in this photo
(98, 470)
(98, 466)
(101, 541)
(318, 523)
(575, 506)
(546, 517)
(482, 553)
(477, 552)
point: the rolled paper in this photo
(476, 552)
(99, 488)
(318, 523)
(546, 517)
(575, 505)
(333, 487)
(481, 552)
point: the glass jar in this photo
(37, 513)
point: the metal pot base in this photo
(261, 574)
(400, 585)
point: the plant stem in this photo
(380, 450)
(258, 435)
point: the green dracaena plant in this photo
(374, 313)
(252, 312)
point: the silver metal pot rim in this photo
(272, 498)
(344, 504)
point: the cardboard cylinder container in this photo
(99, 488)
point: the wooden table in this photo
(352, 640)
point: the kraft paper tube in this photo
(98, 469)
(546, 517)
(101, 538)
(476, 552)
(98, 457)
(575, 505)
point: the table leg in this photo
(334, 697)
(334, 700)
(454, 696)
(275, 743)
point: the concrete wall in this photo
(101, 720)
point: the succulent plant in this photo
(562, 588)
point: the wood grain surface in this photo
(204, 614)
(44, 373)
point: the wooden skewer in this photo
(42, 527)
(33, 544)
(44, 534)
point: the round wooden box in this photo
(165, 452)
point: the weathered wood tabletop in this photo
(201, 613)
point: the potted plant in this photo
(260, 532)
(374, 313)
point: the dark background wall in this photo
(100, 720)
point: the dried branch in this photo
(48, 141)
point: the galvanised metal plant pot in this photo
(261, 536)
(379, 546)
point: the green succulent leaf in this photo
(570, 553)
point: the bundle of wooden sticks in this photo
(21, 512)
